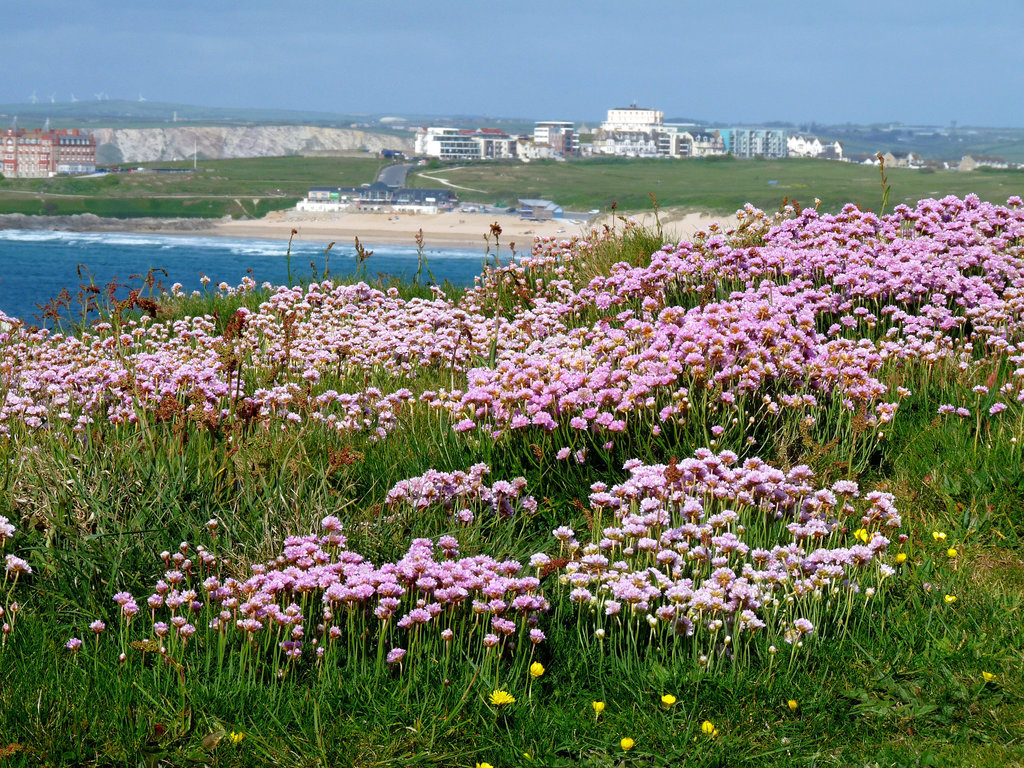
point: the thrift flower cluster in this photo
(784, 322)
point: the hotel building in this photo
(39, 154)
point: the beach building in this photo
(42, 153)
(539, 210)
(377, 197)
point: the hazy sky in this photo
(912, 61)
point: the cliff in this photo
(140, 145)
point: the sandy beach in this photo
(453, 229)
(441, 230)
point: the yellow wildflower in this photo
(793, 704)
(901, 558)
(939, 535)
(501, 698)
(236, 737)
(951, 552)
(536, 669)
(598, 707)
(484, 765)
(988, 677)
(950, 599)
(707, 727)
(668, 700)
(862, 534)
(626, 744)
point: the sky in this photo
(726, 61)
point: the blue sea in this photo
(35, 265)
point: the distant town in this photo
(632, 132)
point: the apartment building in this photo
(756, 142)
(464, 144)
(557, 134)
(39, 154)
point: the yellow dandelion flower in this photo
(951, 552)
(793, 704)
(901, 558)
(950, 599)
(536, 669)
(501, 698)
(668, 700)
(626, 744)
(707, 727)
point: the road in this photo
(394, 175)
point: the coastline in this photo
(454, 230)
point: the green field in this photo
(716, 185)
(253, 187)
(247, 187)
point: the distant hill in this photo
(120, 113)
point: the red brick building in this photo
(38, 154)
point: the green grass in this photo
(903, 687)
(718, 185)
(252, 187)
(249, 188)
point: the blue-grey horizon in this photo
(915, 62)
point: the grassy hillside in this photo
(749, 502)
(720, 185)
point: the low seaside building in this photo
(377, 197)
(42, 153)
(539, 210)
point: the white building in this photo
(557, 134)
(463, 143)
(632, 120)
(675, 141)
(806, 145)
(756, 142)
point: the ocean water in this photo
(35, 265)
